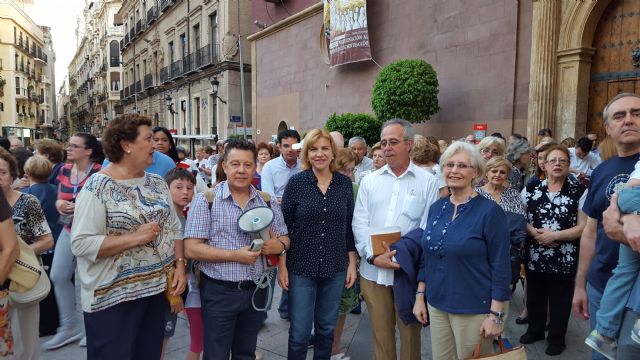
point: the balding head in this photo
(337, 138)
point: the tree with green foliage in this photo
(351, 125)
(406, 89)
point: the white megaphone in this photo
(257, 222)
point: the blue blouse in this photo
(469, 265)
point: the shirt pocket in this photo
(414, 207)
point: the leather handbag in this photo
(29, 282)
(516, 353)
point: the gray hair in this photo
(516, 149)
(356, 139)
(490, 140)
(605, 112)
(408, 128)
(477, 161)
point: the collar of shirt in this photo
(411, 170)
(284, 164)
(226, 193)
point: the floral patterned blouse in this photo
(556, 211)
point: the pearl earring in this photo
(128, 151)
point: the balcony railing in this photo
(164, 4)
(121, 94)
(132, 33)
(165, 74)
(138, 86)
(126, 40)
(148, 81)
(139, 26)
(132, 90)
(152, 15)
(125, 92)
(176, 69)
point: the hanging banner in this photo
(345, 23)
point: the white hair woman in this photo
(491, 146)
(466, 261)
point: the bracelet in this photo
(284, 247)
(184, 261)
(419, 293)
(496, 320)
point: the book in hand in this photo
(388, 236)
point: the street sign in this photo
(244, 130)
(480, 131)
(236, 118)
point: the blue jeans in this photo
(231, 324)
(614, 299)
(627, 348)
(594, 297)
(629, 199)
(313, 301)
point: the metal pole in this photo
(244, 126)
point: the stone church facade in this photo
(517, 66)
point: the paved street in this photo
(356, 341)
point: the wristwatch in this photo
(370, 259)
(499, 314)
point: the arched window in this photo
(114, 52)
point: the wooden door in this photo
(613, 70)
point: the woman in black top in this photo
(554, 225)
(318, 207)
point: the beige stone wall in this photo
(201, 110)
(480, 50)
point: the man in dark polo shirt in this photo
(598, 253)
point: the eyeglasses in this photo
(392, 143)
(349, 170)
(378, 156)
(488, 150)
(460, 166)
(557, 161)
(74, 147)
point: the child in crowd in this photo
(614, 299)
(181, 185)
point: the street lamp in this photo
(169, 102)
(214, 89)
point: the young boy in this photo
(181, 186)
(614, 299)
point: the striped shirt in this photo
(219, 228)
(67, 188)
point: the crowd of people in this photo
(412, 225)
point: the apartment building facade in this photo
(96, 69)
(26, 67)
(182, 66)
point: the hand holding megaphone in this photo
(246, 256)
(272, 246)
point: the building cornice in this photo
(288, 22)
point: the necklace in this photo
(437, 248)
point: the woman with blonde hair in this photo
(318, 208)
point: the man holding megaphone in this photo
(232, 285)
